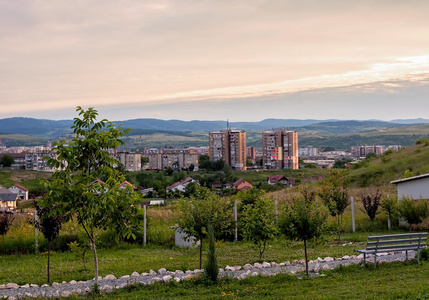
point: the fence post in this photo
(36, 231)
(145, 223)
(235, 219)
(353, 214)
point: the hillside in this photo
(391, 166)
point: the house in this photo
(125, 184)
(281, 179)
(241, 185)
(416, 187)
(146, 192)
(7, 198)
(180, 185)
(22, 191)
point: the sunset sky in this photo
(215, 59)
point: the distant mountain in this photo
(53, 129)
(411, 121)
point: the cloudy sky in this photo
(215, 59)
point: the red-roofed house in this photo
(242, 184)
(126, 183)
(282, 179)
(180, 185)
(22, 191)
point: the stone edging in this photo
(13, 291)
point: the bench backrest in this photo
(405, 241)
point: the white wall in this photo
(416, 189)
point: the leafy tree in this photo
(248, 197)
(195, 212)
(50, 226)
(414, 212)
(335, 196)
(7, 161)
(371, 155)
(259, 223)
(76, 190)
(370, 204)
(303, 220)
(389, 205)
(211, 268)
(6, 220)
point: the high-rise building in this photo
(229, 146)
(280, 149)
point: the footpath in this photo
(109, 283)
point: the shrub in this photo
(413, 212)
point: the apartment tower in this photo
(229, 146)
(280, 149)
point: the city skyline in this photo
(215, 60)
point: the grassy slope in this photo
(29, 179)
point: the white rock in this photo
(329, 259)
(73, 282)
(266, 265)
(274, 264)
(145, 274)
(319, 259)
(196, 271)
(295, 262)
(177, 279)
(257, 266)
(360, 256)
(167, 278)
(221, 270)
(155, 279)
(228, 268)
(189, 272)
(11, 298)
(28, 295)
(135, 274)
(325, 267)
(64, 282)
(282, 264)
(255, 274)
(247, 267)
(110, 277)
(65, 294)
(162, 271)
(45, 285)
(56, 294)
(107, 289)
(302, 262)
(152, 272)
(2, 286)
(125, 276)
(34, 285)
(316, 268)
(179, 272)
(237, 268)
(287, 263)
(12, 286)
(25, 286)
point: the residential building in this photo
(229, 146)
(308, 151)
(175, 158)
(281, 179)
(7, 198)
(416, 187)
(35, 161)
(363, 151)
(241, 185)
(21, 190)
(180, 186)
(131, 161)
(280, 149)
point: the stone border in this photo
(109, 283)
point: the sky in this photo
(243, 60)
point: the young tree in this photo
(303, 220)
(6, 220)
(389, 205)
(75, 188)
(370, 204)
(196, 212)
(50, 226)
(259, 223)
(335, 196)
(411, 211)
(211, 268)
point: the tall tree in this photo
(334, 194)
(303, 220)
(197, 211)
(75, 188)
(7, 161)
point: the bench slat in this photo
(383, 242)
(398, 247)
(402, 235)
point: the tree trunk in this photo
(339, 229)
(201, 253)
(49, 258)
(306, 260)
(94, 249)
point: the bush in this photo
(411, 211)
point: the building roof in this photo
(185, 181)
(410, 179)
(128, 183)
(248, 185)
(6, 195)
(20, 187)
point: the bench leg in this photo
(406, 255)
(375, 260)
(418, 256)
(364, 258)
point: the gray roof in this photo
(410, 178)
(6, 195)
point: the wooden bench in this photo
(394, 242)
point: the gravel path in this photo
(109, 283)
